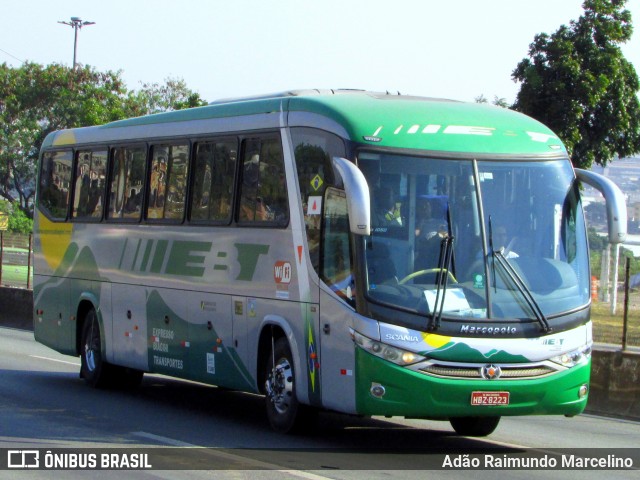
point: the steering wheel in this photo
(420, 273)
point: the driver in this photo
(501, 241)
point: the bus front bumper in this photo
(383, 388)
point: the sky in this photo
(457, 49)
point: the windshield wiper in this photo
(442, 278)
(522, 288)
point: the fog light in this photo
(583, 390)
(377, 390)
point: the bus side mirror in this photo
(357, 190)
(615, 202)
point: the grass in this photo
(607, 328)
(15, 276)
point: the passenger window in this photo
(168, 182)
(263, 193)
(214, 179)
(55, 182)
(88, 194)
(127, 182)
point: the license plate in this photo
(489, 398)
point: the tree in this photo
(173, 95)
(497, 101)
(578, 82)
(18, 221)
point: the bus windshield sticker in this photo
(314, 205)
(317, 182)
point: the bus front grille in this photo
(507, 372)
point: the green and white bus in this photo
(358, 252)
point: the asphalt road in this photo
(44, 405)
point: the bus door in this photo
(337, 300)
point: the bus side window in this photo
(215, 168)
(90, 177)
(127, 181)
(168, 181)
(263, 192)
(337, 261)
(314, 150)
(55, 182)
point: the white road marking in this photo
(165, 440)
(55, 360)
(229, 456)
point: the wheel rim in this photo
(280, 385)
(91, 361)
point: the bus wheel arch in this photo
(278, 379)
(268, 336)
(91, 346)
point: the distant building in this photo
(624, 172)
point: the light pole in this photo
(76, 23)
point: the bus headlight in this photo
(392, 354)
(576, 357)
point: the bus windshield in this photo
(492, 239)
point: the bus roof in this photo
(380, 119)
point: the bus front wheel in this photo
(474, 426)
(284, 412)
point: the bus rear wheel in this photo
(284, 412)
(93, 368)
(474, 426)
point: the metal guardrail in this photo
(621, 328)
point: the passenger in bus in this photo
(279, 206)
(95, 193)
(158, 175)
(388, 211)
(133, 202)
(431, 230)
(82, 188)
(428, 224)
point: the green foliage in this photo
(19, 222)
(497, 101)
(596, 242)
(578, 82)
(173, 95)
